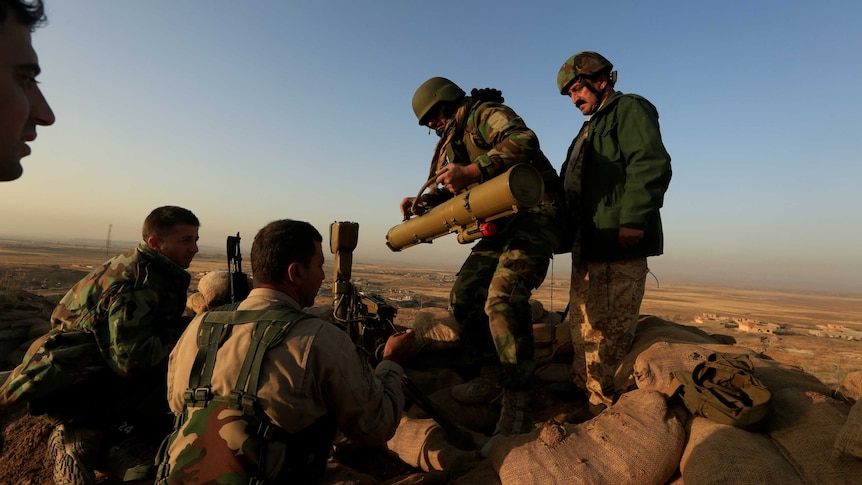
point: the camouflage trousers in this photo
(491, 296)
(604, 303)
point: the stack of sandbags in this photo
(793, 445)
(638, 440)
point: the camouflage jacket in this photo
(495, 138)
(626, 172)
(133, 305)
(126, 316)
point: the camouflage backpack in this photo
(223, 439)
(724, 389)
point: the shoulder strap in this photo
(214, 329)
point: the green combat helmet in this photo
(433, 91)
(582, 64)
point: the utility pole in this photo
(108, 242)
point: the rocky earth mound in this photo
(813, 433)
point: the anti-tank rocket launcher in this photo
(471, 213)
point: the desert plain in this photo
(50, 269)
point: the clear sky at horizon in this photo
(246, 112)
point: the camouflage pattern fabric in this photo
(605, 301)
(490, 298)
(197, 456)
(495, 138)
(126, 316)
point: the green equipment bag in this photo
(724, 389)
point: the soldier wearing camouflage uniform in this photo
(615, 176)
(481, 138)
(252, 410)
(99, 374)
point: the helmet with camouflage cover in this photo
(433, 91)
(584, 63)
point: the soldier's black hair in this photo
(163, 219)
(279, 244)
(31, 14)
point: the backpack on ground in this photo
(724, 389)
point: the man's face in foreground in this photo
(22, 105)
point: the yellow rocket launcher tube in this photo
(520, 187)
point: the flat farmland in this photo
(50, 269)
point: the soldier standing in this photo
(481, 138)
(615, 176)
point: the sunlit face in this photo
(22, 105)
(584, 99)
(180, 246)
(312, 277)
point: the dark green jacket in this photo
(626, 171)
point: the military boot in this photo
(484, 389)
(74, 451)
(516, 417)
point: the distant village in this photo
(753, 326)
(402, 297)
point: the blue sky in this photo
(246, 112)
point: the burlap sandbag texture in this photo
(421, 443)
(849, 440)
(720, 454)
(638, 440)
(803, 425)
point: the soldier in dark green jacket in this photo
(615, 176)
(100, 374)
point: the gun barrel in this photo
(520, 187)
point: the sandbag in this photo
(851, 386)
(421, 444)
(804, 424)
(718, 454)
(651, 329)
(637, 441)
(849, 440)
(436, 330)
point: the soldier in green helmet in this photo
(615, 176)
(481, 138)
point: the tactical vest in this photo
(229, 439)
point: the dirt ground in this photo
(49, 270)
